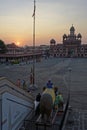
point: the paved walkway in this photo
(77, 120)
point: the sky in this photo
(53, 19)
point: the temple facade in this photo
(71, 46)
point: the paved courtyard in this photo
(68, 74)
(77, 120)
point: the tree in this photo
(3, 47)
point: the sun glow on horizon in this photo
(17, 43)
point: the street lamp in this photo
(69, 84)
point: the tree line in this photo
(3, 47)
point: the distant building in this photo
(71, 46)
(15, 53)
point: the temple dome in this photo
(79, 35)
(52, 41)
(72, 28)
(64, 36)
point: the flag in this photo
(34, 10)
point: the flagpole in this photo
(34, 43)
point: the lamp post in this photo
(69, 84)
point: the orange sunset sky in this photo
(53, 19)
